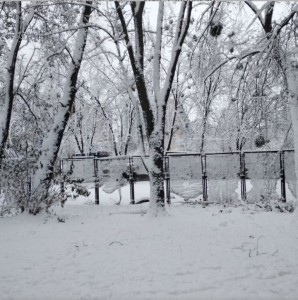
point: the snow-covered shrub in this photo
(15, 181)
(75, 174)
(60, 189)
(15, 187)
(275, 205)
(69, 185)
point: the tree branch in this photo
(32, 113)
(157, 50)
(137, 67)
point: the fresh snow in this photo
(117, 252)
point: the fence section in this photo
(289, 173)
(138, 174)
(109, 173)
(186, 173)
(214, 177)
(79, 169)
(223, 174)
(263, 173)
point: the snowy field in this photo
(83, 251)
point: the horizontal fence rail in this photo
(214, 177)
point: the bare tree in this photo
(284, 56)
(154, 112)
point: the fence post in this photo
(167, 179)
(29, 183)
(62, 183)
(96, 193)
(282, 176)
(96, 188)
(131, 181)
(204, 178)
(242, 176)
(28, 177)
(62, 188)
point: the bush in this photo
(275, 205)
(15, 184)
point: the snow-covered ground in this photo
(116, 252)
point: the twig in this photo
(275, 252)
(115, 242)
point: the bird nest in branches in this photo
(216, 28)
(260, 141)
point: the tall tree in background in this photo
(282, 46)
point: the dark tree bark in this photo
(137, 64)
(6, 112)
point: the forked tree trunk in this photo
(51, 144)
(154, 111)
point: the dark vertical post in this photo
(96, 181)
(96, 193)
(282, 175)
(131, 181)
(28, 173)
(242, 176)
(29, 184)
(62, 185)
(167, 179)
(62, 188)
(204, 177)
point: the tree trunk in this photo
(293, 105)
(204, 128)
(171, 134)
(156, 172)
(51, 144)
(5, 113)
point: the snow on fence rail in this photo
(215, 177)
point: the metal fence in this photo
(215, 177)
